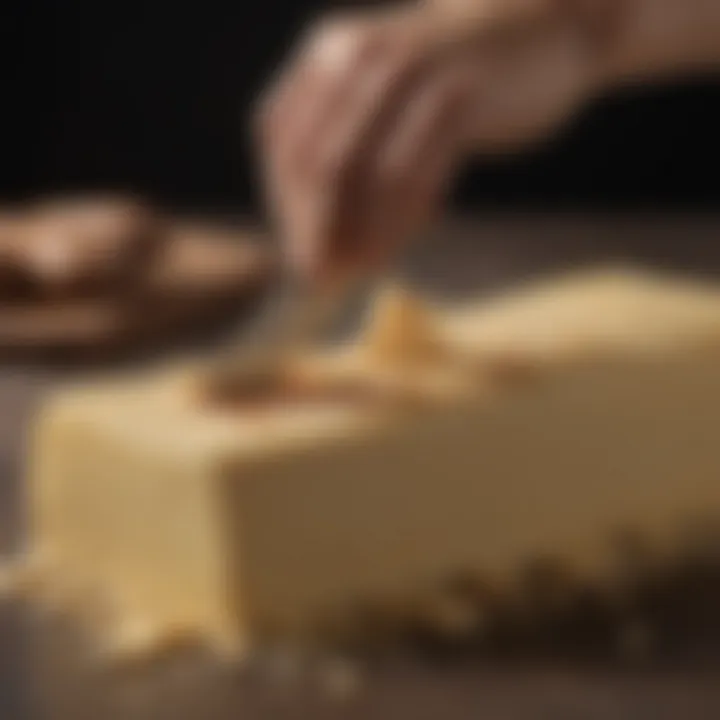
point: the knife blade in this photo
(295, 314)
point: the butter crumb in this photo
(636, 640)
(140, 641)
(449, 616)
(286, 666)
(401, 330)
(340, 679)
(23, 575)
(9, 580)
(132, 639)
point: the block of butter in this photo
(444, 441)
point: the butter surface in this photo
(252, 519)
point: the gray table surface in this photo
(41, 677)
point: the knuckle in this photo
(271, 103)
(342, 41)
(263, 119)
(457, 88)
(331, 167)
(270, 134)
(392, 174)
(404, 68)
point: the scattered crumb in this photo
(450, 616)
(8, 580)
(340, 679)
(635, 640)
(19, 576)
(285, 666)
(133, 641)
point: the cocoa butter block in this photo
(471, 440)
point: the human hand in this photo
(363, 133)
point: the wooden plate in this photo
(199, 276)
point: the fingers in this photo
(380, 89)
(341, 165)
(344, 133)
(401, 178)
(294, 118)
(416, 162)
(362, 134)
(326, 73)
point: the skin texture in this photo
(368, 123)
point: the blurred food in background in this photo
(99, 273)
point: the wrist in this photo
(596, 26)
(601, 29)
(649, 40)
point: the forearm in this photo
(634, 39)
(659, 39)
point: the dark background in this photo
(154, 97)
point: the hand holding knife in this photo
(365, 130)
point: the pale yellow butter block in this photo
(268, 516)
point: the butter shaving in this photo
(401, 331)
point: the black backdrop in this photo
(154, 97)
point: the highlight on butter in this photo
(442, 443)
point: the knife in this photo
(296, 314)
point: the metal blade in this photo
(295, 314)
